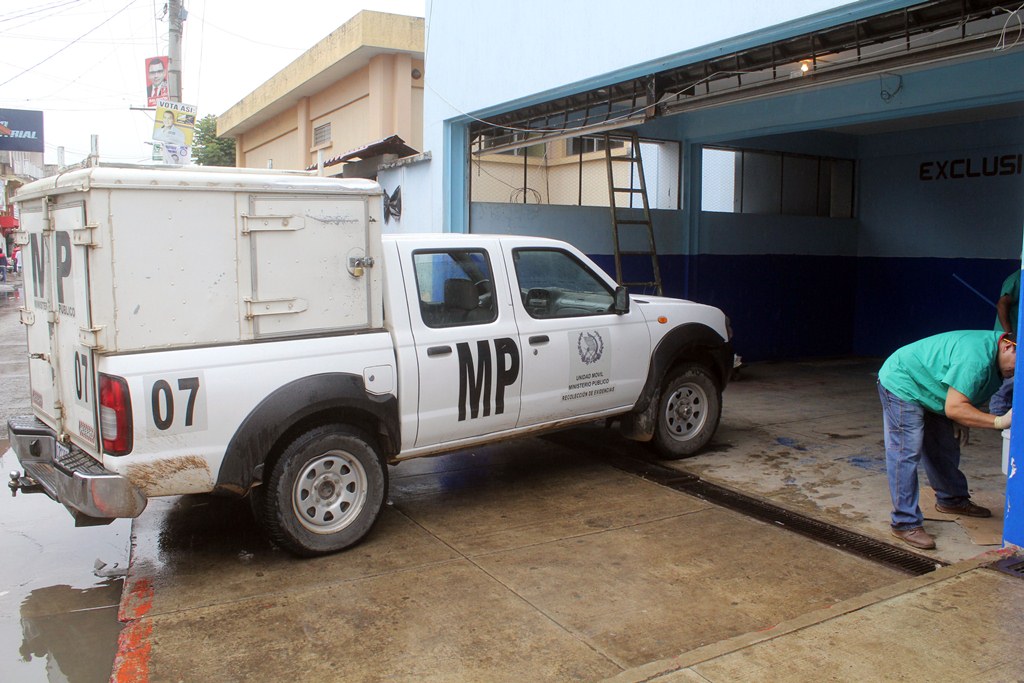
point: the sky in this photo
(82, 62)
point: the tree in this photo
(207, 148)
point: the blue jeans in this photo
(1002, 400)
(913, 434)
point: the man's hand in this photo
(1003, 421)
(961, 434)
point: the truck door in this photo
(58, 320)
(578, 356)
(466, 343)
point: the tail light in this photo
(115, 415)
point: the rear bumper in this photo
(69, 475)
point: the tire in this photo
(255, 499)
(689, 408)
(325, 491)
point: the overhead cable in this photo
(43, 61)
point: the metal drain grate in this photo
(850, 541)
(1014, 566)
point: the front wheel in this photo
(325, 491)
(689, 408)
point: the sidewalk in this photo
(959, 623)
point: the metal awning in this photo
(389, 145)
(929, 31)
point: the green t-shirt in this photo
(1011, 288)
(922, 372)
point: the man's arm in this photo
(960, 410)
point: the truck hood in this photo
(677, 311)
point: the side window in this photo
(554, 284)
(454, 287)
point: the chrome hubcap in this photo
(686, 412)
(329, 492)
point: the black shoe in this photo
(967, 509)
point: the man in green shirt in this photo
(1006, 306)
(929, 390)
(1006, 321)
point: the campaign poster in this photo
(156, 80)
(174, 128)
(21, 130)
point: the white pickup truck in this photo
(253, 333)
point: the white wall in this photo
(414, 179)
(486, 57)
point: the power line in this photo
(97, 41)
(202, 45)
(22, 15)
(247, 38)
(16, 76)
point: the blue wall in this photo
(900, 300)
(1013, 524)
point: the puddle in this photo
(66, 634)
(58, 620)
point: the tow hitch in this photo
(19, 482)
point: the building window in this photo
(586, 145)
(322, 135)
(490, 141)
(754, 181)
(560, 172)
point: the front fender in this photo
(691, 342)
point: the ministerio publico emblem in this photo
(590, 346)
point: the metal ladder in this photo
(621, 219)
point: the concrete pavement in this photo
(525, 561)
(959, 623)
(534, 561)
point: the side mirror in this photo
(621, 305)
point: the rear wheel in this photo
(689, 409)
(325, 491)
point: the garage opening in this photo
(841, 192)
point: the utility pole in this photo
(174, 19)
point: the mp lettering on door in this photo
(39, 252)
(499, 369)
(39, 256)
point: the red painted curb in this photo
(136, 600)
(131, 663)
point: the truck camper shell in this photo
(111, 243)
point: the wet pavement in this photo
(58, 619)
(808, 437)
(529, 560)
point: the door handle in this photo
(438, 351)
(539, 339)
